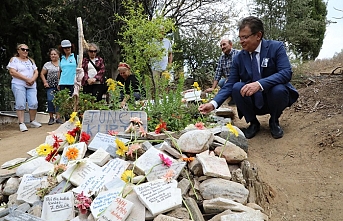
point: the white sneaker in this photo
(35, 124)
(22, 127)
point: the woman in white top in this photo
(49, 76)
(24, 74)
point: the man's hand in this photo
(206, 108)
(250, 89)
(209, 90)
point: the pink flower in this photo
(142, 131)
(168, 176)
(83, 203)
(133, 148)
(112, 132)
(130, 128)
(136, 120)
(200, 125)
(165, 160)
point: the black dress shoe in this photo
(275, 130)
(252, 130)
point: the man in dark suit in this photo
(259, 80)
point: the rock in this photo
(11, 186)
(195, 141)
(232, 153)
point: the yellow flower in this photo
(72, 117)
(198, 88)
(121, 148)
(204, 100)
(232, 129)
(78, 124)
(120, 84)
(166, 75)
(70, 139)
(44, 149)
(127, 176)
(72, 153)
(111, 84)
(195, 84)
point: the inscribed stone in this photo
(105, 142)
(81, 147)
(95, 121)
(119, 210)
(104, 200)
(78, 172)
(58, 207)
(28, 188)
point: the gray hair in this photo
(94, 46)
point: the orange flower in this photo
(72, 153)
(161, 127)
(188, 159)
(168, 176)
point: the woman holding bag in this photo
(94, 70)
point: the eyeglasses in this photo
(93, 51)
(245, 37)
(25, 49)
(66, 47)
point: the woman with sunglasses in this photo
(94, 73)
(49, 76)
(68, 64)
(24, 74)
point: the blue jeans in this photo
(50, 94)
(221, 82)
(22, 95)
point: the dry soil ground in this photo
(304, 168)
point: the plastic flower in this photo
(200, 125)
(142, 131)
(112, 132)
(168, 176)
(51, 156)
(161, 127)
(44, 149)
(132, 148)
(57, 141)
(58, 169)
(83, 202)
(127, 176)
(165, 160)
(72, 117)
(121, 148)
(232, 129)
(72, 153)
(70, 139)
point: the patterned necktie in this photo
(255, 77)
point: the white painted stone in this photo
(195, 141)
(28, 188)
(58, 207)
(159, 196)
(60, 187)
(32, 153)
(29, 166)
(119, 210)
(159, 171)
(82, 147)
(104, 200)
(100, 157)
(12, 162)
(78, 172)
(150, 159)
(11, 186)
(255, 215)
(138, 213)
(105, 142)
(214, 166)
(115, 183)
(43, 169)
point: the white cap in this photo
(65, 44)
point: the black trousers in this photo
(96, 90)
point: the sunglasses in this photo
(66, 47)
(93, 51)
(25, 49)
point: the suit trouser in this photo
(276, 99)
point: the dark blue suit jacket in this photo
(277, 71)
